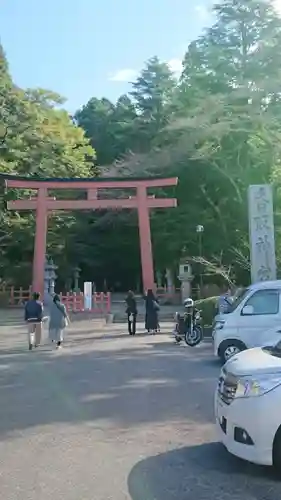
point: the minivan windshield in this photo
(236, 299)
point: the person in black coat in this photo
(131, 312)
(151, 312)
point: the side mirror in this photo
(247, 311)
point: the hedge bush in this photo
(209, 309)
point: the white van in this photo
(252, 320)
(247, 405)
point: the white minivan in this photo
(252, 320)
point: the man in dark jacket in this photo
(33, 315)
(131, 312)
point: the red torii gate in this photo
(44, 204)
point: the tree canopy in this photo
(217, 128)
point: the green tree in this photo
(41, 139)
(109, 127)
(36, 138)
(95, 118)
(229, 118)
(152, 93)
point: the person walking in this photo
(33, 315)
(59, 320)
(131, 312)
(151, 312)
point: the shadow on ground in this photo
(202, 472)
(123, 387)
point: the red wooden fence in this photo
(15, 297)
(101, 302)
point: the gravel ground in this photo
(111, 417)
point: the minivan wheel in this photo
(276, 454)
(229, 348)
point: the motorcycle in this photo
(188, 328)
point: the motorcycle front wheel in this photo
(194, 336)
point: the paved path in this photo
(115, 418)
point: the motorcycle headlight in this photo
(258, 386)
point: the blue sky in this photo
(91, 48)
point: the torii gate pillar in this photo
(39, 258)
(43, 204)
(145, 240)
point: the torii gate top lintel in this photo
(91, 185)
(23, 182)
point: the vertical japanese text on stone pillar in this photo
(261, 231)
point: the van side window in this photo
(264, 302)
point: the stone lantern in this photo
(159, 279)
(185, 277)
(170, 282)
(46, 279)
(53, 276)
(76, 276)
(49, 278)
